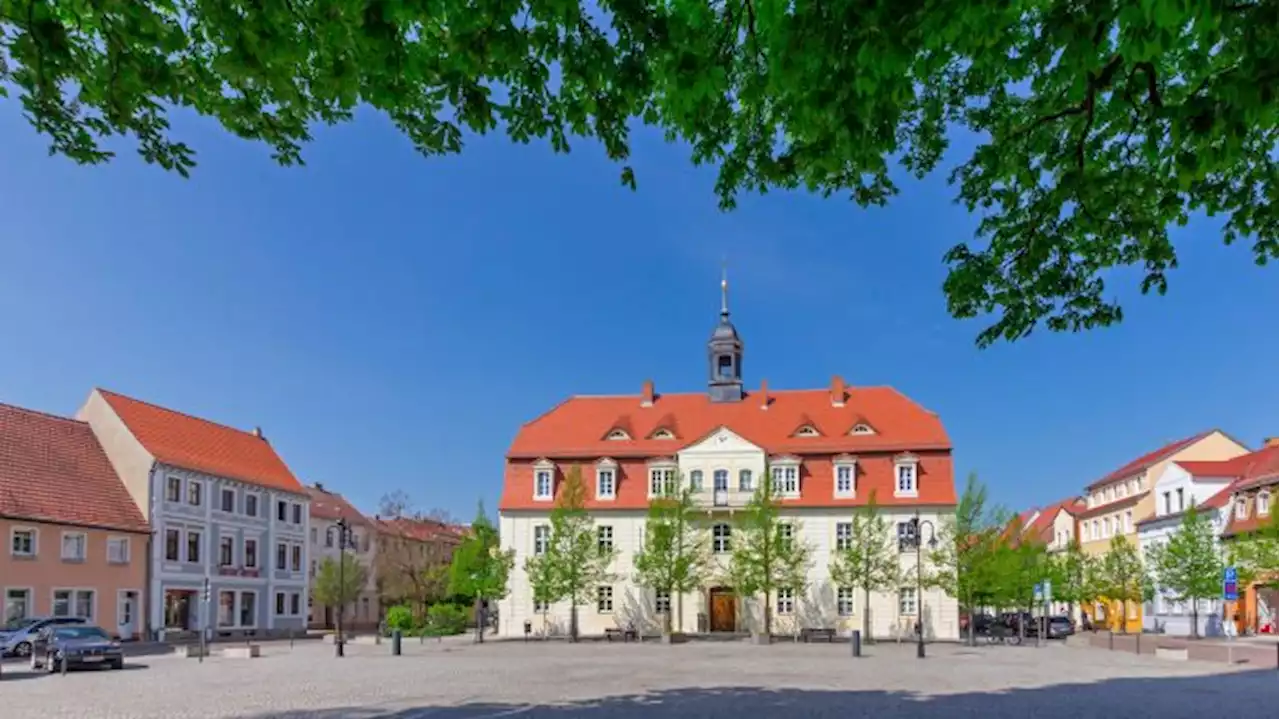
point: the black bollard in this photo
(395, 642)
(856, 641)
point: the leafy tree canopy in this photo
(1099, 124)
(479, 568)
(339, 585)
(674, 557)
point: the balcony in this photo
(721, 498)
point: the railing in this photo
(720, 498)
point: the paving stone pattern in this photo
(457, 680)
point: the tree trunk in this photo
(866, 614)
(1195, 618)
(478, 612)
(768, 618)
(573, 620)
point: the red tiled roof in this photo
(577, 426)
(1150, 458)
(192, 443)
(331, 505)
(420, 530)
(1261, 463)
(1042, 527)
(52, 469)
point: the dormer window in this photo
(662, 434)
(785, 476)
(1264, 503)
(807, 431)
(606, 479)
(846, 470)
(1242, 508)
(862, 428)
(617, 434)
(905, 470)
(544, 480)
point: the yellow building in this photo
(1116, 503)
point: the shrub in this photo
(400, 617)
(445, 619)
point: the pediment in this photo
(719, 441)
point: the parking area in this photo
(457, 680)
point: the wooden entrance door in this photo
(722, 610)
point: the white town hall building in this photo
(829, 450)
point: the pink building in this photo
(76, 544)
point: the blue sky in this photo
(390, 320)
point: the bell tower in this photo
(724, 354)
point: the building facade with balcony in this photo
(225, 511)
(827, 452)
(325, 539)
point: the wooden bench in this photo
(817, 634)
(626, 635)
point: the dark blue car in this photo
(60, 648)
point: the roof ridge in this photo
(42, 413)
(180, 413)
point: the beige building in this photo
(325, 539)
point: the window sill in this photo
(118, 562)
(846, 495)
(906, 495)
(73, 560)
(26, 557)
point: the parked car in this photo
(16, 636)
(73, 646)
(1028, 625)
(1060, 627)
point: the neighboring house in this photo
(75, 543)
(224, 509)
(1116, 503)
(1054, 526)
(828, 451)
(412, 562)
(326, 509)
(1182, 486)
(1250, 503)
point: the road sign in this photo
(1038, 591)
(1230, 592)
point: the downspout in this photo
(146, 599)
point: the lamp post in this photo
(344, 530)
(917, 526)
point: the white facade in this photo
(324, 533)
(1175, 492)
(623, 603)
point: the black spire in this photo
(724, 352)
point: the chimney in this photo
(646, 393)
(837, 391)
(764, 394)
(1270, 442)
(257, 432)
(319, 486)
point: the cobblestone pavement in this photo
(457, 680)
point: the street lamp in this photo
(917, 525)
(344, 531)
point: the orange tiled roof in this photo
(1150, 458)
(331, 505)
(192, 443)
(1042, 527)
(52, 469)
(577, 427)
(1249, 471)
(419, 530)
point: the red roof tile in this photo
(1261, 463)
(52, 469)
(331, 505)
(1041, 525)
(1150, 458)
(188, 442)
(419, 529)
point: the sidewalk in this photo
(1252, 651)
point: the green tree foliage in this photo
(1069, 571)
(400, 617)
(767, 553)
(1255, 554)
(1098, 125)
(1022, 562)
(1119, 577)
(966, 562)
(338, 586)
(445, 620)
(870, 561)
(1188, 566)
(674, 557)
(574, 564)
(480, 568)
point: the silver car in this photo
(17, 636)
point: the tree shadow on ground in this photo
(1245, 693)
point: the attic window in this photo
(906, 468)
(617, 434)
(662, 434)
(807, 431)
(862, 428)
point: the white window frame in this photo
(235, 608)
(119, 540)
(606, 470)
(28, 603)
(662, 479)
(663, 433)
(862, 428)
(35, 541)
(280, 607)
(1128, 521)
(906, 466)
(544, 470)
(696, 481)
(169, 479)
(849, 466)
(198, 486)
(75, 595)
(807, 431)
(908, 602)
(240, 607)
(844, 536)
(84, 546)
(604, 599)
(222, 500)
(244, 552)
(1262, 504)
(785, 476)
(844, 601)
(786, 601)
(750, 484)
(541, 606)
(721, 538)
(617, 434)
(787, 534)
(1242, 508)
(604, 538)
(229, 542)
(257, 504)
(661, 602)
(541, 543)
(186, 546)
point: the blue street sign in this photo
(1230, 592)
(1229, 575)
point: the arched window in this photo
(720, 480)
(720, 538)
(1264, 503)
